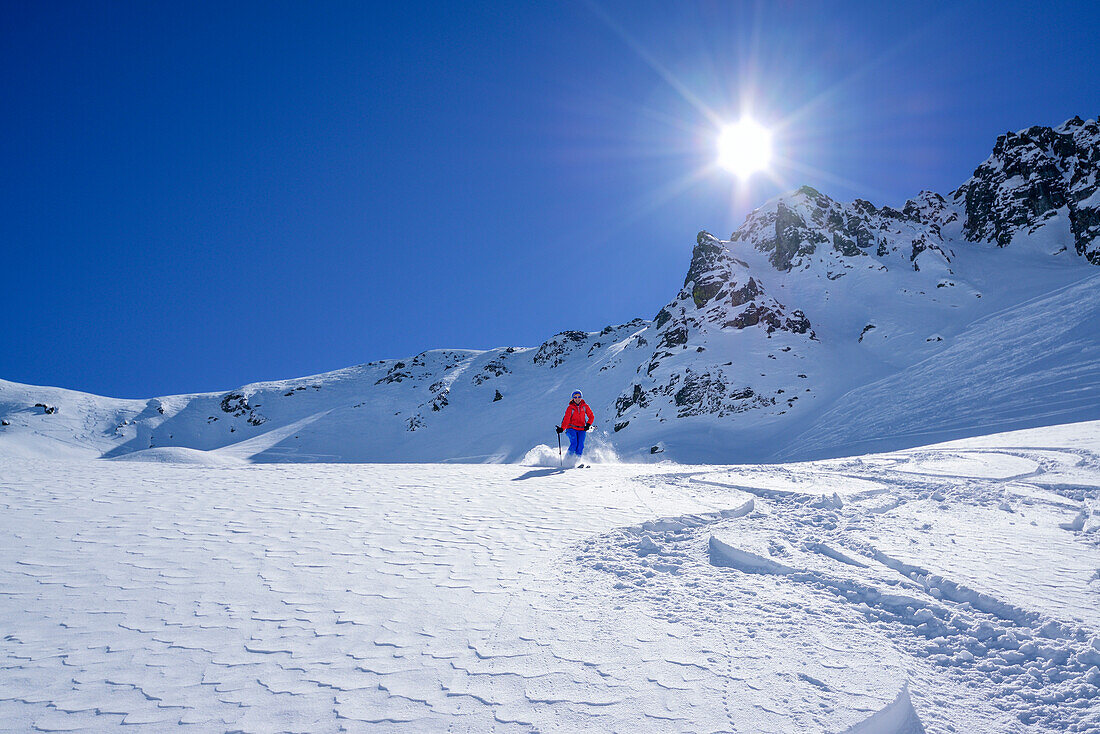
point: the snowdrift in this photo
(179, 455)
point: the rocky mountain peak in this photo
(705, 257)
(720, 291)
(1037, 179)
(733, 299)
(805, 226)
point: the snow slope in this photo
(948, 588)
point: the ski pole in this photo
(560, 463)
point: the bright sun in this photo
(744, 147)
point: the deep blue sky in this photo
(194, 196)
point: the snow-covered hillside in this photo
(820, 328)
(950, 588)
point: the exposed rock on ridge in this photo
(1032, 177)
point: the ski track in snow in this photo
(944, 589)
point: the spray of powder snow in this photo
(595, 452)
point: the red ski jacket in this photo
(575, 416)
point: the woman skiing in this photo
(578, 419)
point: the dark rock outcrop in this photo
(552, 352)
(1033, 176)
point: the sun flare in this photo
(744, 147)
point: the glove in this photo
(558, 429)
(587, 426)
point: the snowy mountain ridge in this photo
(817, 329)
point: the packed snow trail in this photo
(951, 588)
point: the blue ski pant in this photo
(576, 441)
